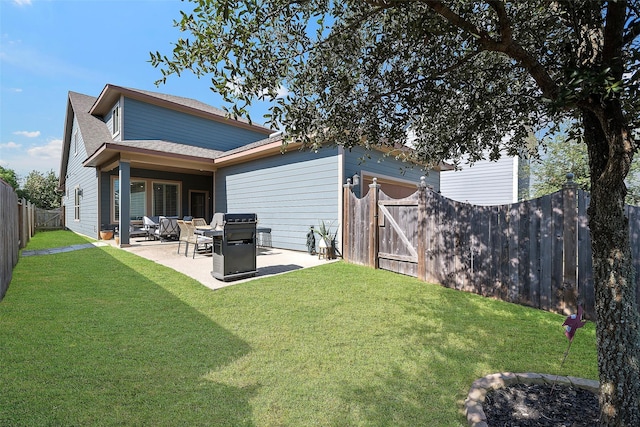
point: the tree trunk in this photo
(617, 320)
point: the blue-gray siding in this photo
(142, 121)
(86, 179)
(289, 193)
(380, 166)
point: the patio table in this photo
(263, 234)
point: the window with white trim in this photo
(138, 200)
(165, 199)
(115, 121)
(76, 204)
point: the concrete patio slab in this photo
(270, 261)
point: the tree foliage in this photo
(42, 189)
(9, 176)
(461, 75)
(464, 77)
(564, 155)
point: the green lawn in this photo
(103, 337)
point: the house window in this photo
(115, 120)
(76, 204)
(165, 199)
(75, 143)
(138, 200)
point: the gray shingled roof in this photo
(170, 148)
(94, 131)
(251, 145)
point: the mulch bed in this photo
(541, 405)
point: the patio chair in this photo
(137, 232)
(199, 222)
(198, 239)
(167, 229)
(150, 224)
(186, 236)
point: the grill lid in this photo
(220, 219)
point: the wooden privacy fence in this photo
(16, 229)
(50, 219)
(536, 252)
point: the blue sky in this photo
(51, 47)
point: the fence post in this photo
(422, 229)
(346, 219)
(373, 223)
(570, 245)
(22, 231)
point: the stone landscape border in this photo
(473, 404)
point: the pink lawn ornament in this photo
(572, 323)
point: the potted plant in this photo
(106, 234)
(327, 243)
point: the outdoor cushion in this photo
(167, 228)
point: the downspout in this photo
(341, 181)
(213, 193)
(98, 226)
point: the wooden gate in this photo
(536, 252)
(49, 219)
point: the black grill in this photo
(234, 245)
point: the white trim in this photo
(116, 120)
(386, 178)
(516, 179)
(76, 203)
(340, 192)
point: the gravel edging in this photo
(473, 403)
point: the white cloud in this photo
(28, 134)
(237, 86)
(281, 92)
(50, 151)
(22, 2)
(10, 145)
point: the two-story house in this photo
(129, 153)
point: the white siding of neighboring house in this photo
(484, 183)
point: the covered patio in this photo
(270, 261)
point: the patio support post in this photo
(125, 201)
(373, 224)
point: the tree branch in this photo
(433, 76)
(386, 4)
(613, 36)
(633, 30)
(509, 47)
(455, 19)
(503, 20)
